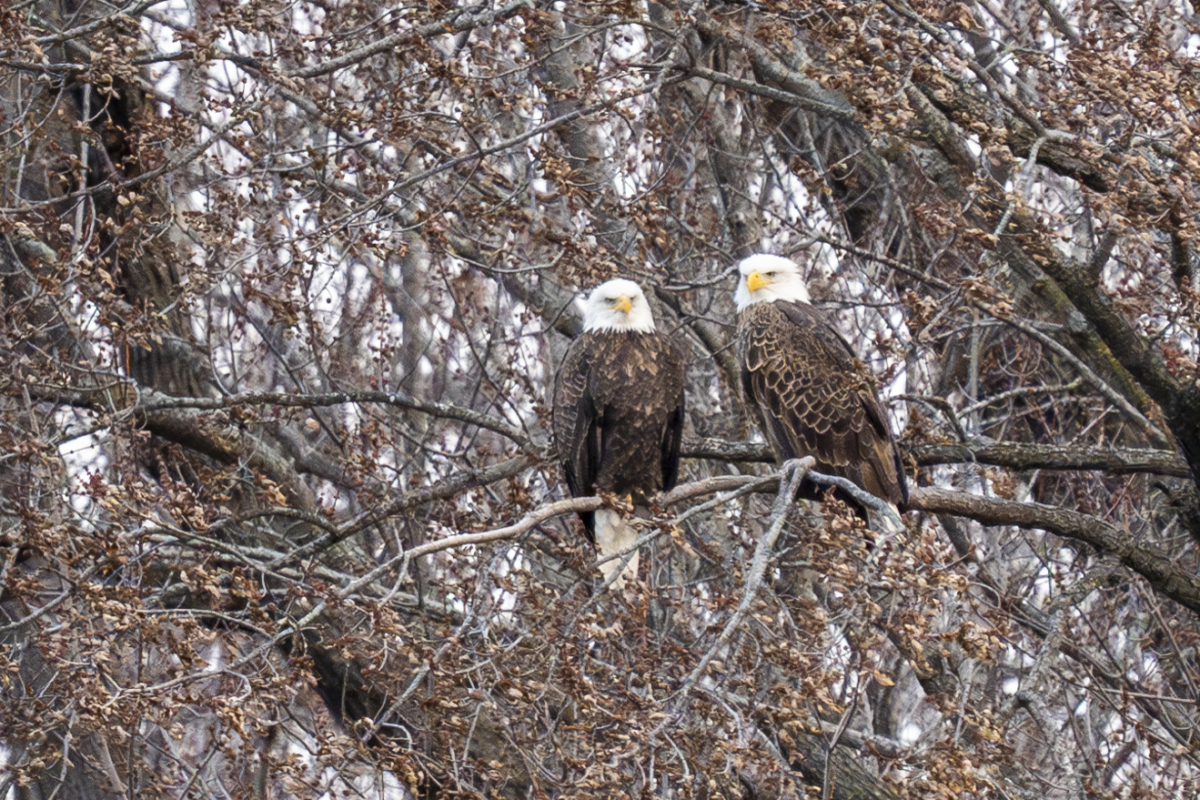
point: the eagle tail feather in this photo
(615, 534)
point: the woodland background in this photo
(282, 288)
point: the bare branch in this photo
(1017, 455)
(154, 401)
(815, 106)
(795, 472)
(1160, 570)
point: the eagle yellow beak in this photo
(755, 281)
(624, 304)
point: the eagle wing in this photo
(674, 367)
(578, 432)
(814, 398)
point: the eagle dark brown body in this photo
(814, 398)
(618, 414)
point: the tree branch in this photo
(158, 402)
(1017, 455)
(815, 106)
(1159, 570)
(795, 472)
(441, 490)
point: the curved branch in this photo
(1159, 570)
(1098, 383)
(1180, 401)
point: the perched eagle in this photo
(811, 394)
(618, 412)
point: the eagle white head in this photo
(617, 305)
(763, 278)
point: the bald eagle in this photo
(812, 396)
(618, 412)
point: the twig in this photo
(1021, 391)
(457, 23)
(443, 489)
(94, 25)
(742, 485)
(533, 518)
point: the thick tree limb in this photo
(799, 89)
(1180, 401)
(726, 450)
(958, 103)
(1128, 349)
(1159, 570)
(1016, 455)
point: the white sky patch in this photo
(1150, 669)
(332, 289)
(1043, 585)
(330, 496)
(166, 76)
(509, 561)
(302, 21)
(973, 145)
(167, 82)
